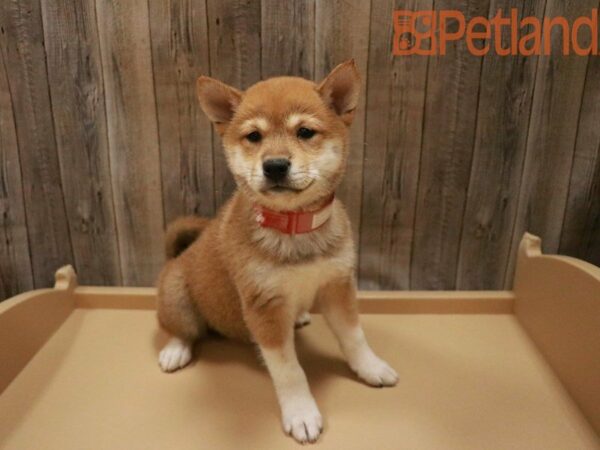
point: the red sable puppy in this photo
(280, 244)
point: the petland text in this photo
(429, 32)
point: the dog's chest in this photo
(298, 283)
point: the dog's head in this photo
(286, 138)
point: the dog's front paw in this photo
(302, 420)
(374, 370)
(175, 355)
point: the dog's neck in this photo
(295, 248)
(295, 222)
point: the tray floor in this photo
(466, 382)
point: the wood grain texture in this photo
(179, 39)
(21, 43)
(235, 58)
(15, 263)
(449, 131)
(506, 92)
(288, 38)
(580, 236)
(557, 101)
(394, 115)
(77, 94)
(133, 136)
(453, 157)
(342, 33)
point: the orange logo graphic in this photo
(429, 32)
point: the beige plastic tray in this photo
(478, 370)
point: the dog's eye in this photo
(255, 136)
(305, 133)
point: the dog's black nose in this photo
(276, 169)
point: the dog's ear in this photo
(340, 90)
(218, 101)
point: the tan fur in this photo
(339, 297)
(253, 283)
(176, 314)
(182, 232)
(236, 267)
(264, 265)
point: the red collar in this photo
(294, 222)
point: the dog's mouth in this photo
(284, 188)
(279, 188)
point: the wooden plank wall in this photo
(499, 149)
(453, 157)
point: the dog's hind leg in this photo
(177, 315)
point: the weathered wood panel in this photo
(235, 49)
(179, 38)
(453, 157)
(342, 33)
(288, 38)
(580, 235)
(394, 116)
(506, 92)
(133, 136)
(21, 43)
(77, 94)
(449, 131)
(15, 263)
(557, 100)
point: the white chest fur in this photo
(298, 283)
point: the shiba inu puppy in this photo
(280, 244)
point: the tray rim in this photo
(555, 299)
(370, 302)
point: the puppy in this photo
(280, 244)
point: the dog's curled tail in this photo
(182, 232)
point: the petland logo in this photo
(429, 32)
